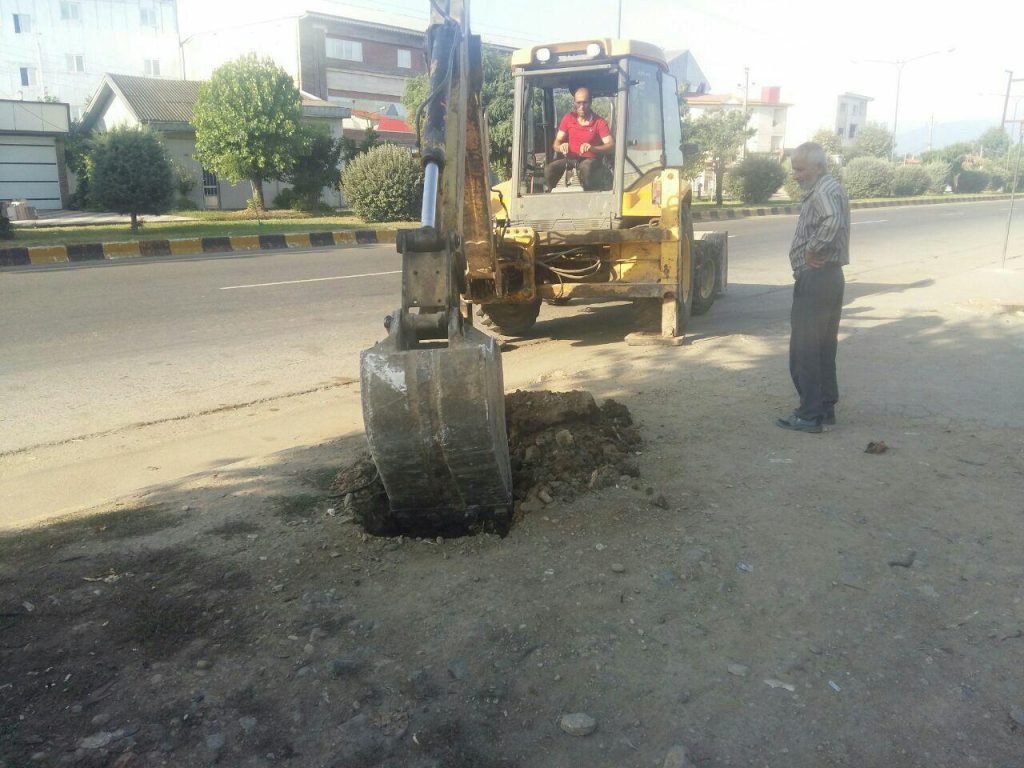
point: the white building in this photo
(767, 116)
(32, 152)
(59, 49)
(851, 114)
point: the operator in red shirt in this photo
(582, 138)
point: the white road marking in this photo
(955, 213)
(311, 280)
(873, 221)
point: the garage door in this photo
(28, 170)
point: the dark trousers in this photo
(591, 171)
(817, 304)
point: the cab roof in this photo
(574, 52)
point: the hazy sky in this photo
(807, 48)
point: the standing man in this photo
(582, 137)
(821, 247)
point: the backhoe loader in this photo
(432, 390)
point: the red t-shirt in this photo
(592, 133)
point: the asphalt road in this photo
(94, 348)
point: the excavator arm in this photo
(432, 390)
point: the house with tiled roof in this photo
(166, 107)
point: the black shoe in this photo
(794, 422)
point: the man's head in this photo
(809, 164)
(581, 102)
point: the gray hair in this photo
(812, 153)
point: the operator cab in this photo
(630, 88)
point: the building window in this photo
(210, 187)
(70, 11)
(75, 62)
(404, 59)
(28, 75)
(349, 50)
(152, 67)
(147, 16)
(22, 23)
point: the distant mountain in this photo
(915, 140)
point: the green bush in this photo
(185, 204)
(971, 181)
(754, 179)
(910, 180)
(384, 184)
(868, 177)
(796, 194)
(316, 167)
(131, 173)
(940, 173)
(286, 199)
(6, 230)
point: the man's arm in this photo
(561, 145)
(825, 232)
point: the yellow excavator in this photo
(432, 390)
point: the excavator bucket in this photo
(435, 421)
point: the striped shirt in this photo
(823, 227)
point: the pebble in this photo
(101, 719)
(97, 740)
(215, 741)
(564, 438)
(676, 757)
(186, 508)
(578, 724)
(458, 669)
(204, 664)
(544, 496)
(38, 757)
(618, 568)
(344, 667)
(1017, 714)
(904, 561)
(247, 724)
(660, 501)
(738, 669)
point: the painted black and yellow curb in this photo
(725, 214)
(71, 254)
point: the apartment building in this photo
(767, 116)
(60, 49)
(851, 114)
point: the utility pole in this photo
(931, 129)
(1013, 189)
(618, 29)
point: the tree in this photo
(719, 135)
(870, 140)
(829, 141)
(247, 122)
(316, 166)
(131, 173)
(77, 158)
(994, 143)
(384, 184)
(866, 177)
(350, 150)
(755, 179)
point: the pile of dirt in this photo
(561, 444)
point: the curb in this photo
(782, 210)
(73, 254)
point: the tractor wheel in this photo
(705, 282)
(511, 319)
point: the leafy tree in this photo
(316, 166)
(247, 122)
(350, 150)
(384, 184)
(870, 140)
(994, 143)
(910, 180)
(131, 173)
(719, 135)
(6, 230)
(77, 147)
(868, 177)
(940, 173)
(829, 141)
(755, 179)
(970, 181)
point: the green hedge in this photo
(868, 177)
(384, 184)
(754, 179)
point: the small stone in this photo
(204, 664)
(1017, 714)
(215, 741)
(578, 724)
(660, 501)
(599, 547)
(531, 453)
(101, 719)
(564, 438)
(38, 757)
(348, 500)
(308, 649)
(186, 508)
(738, 669)
(458, 669)
(97, 740)
(247, 724)
(344, 667)
(905, 560)
(544, 496)
(618, 568)
(676, 757)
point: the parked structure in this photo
(32, 152)
(59, 49)
(166, 107)
(851, 114)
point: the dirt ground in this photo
(745, 597)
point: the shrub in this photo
(796, 194)
(384, 184)
(131, 173)
(868, 177)
(910, 180)
(184, 204)
(940, 173)
(286, 199)
(316, 167)
(971, 181)
(754, 179)
(6, 230)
